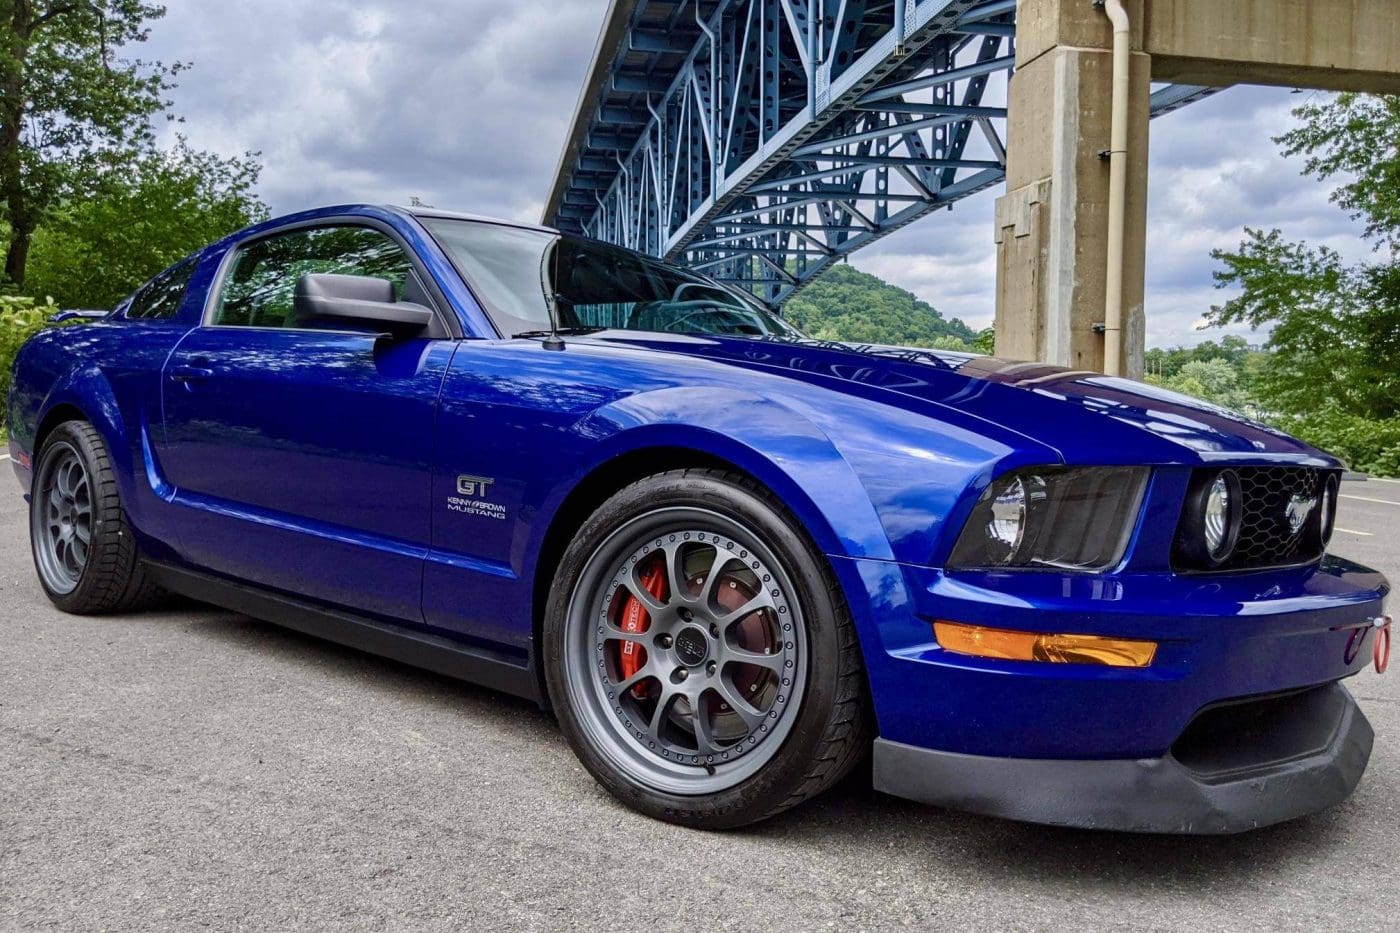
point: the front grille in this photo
(1267, 538)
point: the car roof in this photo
(433, 212)
(370, 210)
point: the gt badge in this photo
(473, 485)
(471, 498)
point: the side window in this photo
(162, 297)
(260, 284)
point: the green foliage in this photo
(1165, 363)
(1366, 444)
(1224, 373)
(1336, 328)
(20, 319)
(72, 108)
(1353, 137)
(985, 342)
(1215, 380)
(95, 251)
(1329, 374)
(850, 305)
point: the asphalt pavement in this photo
(193, 769)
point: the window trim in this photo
(437, 301)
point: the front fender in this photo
(770, 441)
(868, 481)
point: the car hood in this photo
(1086, 417)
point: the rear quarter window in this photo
(162, 297)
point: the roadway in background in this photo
(195, 769)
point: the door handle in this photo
(190, 373)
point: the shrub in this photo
(1366, 444)
(20, 318)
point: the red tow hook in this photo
(1380, 646)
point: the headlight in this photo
(1008, 525)
(1329, 509)
(1070, 518)
(1210, 520)
(1219, 510)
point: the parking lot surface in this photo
(193, 769)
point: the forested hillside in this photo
(847, 304)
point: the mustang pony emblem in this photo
(1298, 510)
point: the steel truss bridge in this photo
(762, 140)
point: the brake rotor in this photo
(755, 632)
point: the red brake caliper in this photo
(636, 620)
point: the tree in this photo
(1213, 380)
(70, 106)
(1168, 362)
(1353, 136)
(1335, 327)
(985, 341)
(94, 251)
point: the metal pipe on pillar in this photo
(1118, 188)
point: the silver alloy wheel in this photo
(722, 665)
(61, 519)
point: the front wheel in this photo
(699, 654)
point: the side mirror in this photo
(357, 301)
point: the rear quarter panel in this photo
(109, 374)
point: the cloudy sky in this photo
(465, 103)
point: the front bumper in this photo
(1123, 748)
(1220, 638)
(1238, 767)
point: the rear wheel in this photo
(700, 657)
(84, 551)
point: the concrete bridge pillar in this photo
(1052, 224)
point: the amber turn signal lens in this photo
(1029, 646)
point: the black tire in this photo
(829, 731)
(107, 575)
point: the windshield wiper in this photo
(566, 331)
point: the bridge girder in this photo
(762, 140)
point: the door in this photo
(303, 457)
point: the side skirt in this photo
(419, 649)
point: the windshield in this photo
(519, 273)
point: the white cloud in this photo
(463, 103)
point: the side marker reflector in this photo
(977, 641)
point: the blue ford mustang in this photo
(730, 558)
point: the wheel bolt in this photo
(664, 640)
(714, 630)
(681, 673)
(711, 668)
(685, 615)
